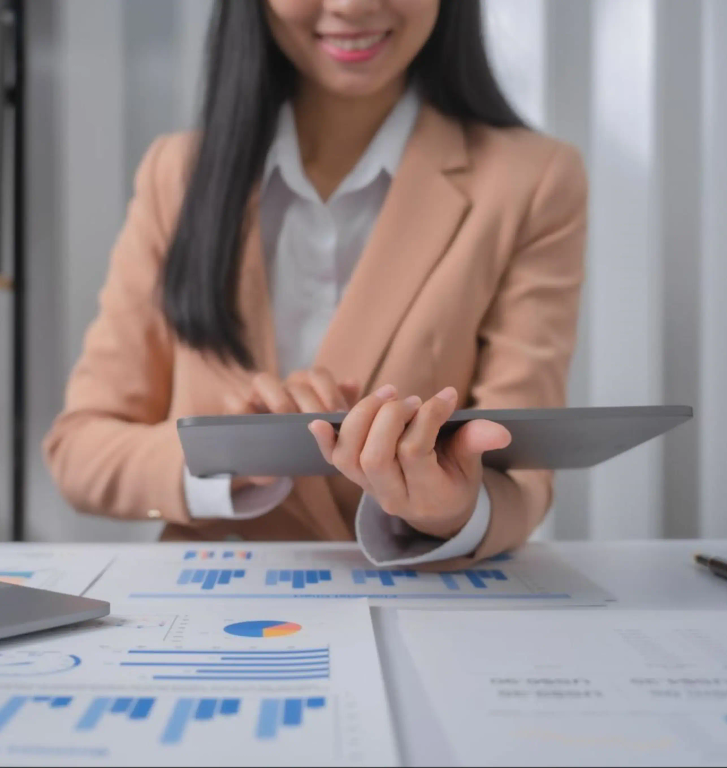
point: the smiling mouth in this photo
(354, 42)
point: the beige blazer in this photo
(471, 278)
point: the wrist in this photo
(451, 526)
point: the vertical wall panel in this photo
(194, 19)
(48, 517)
(516, 37)
(569, 53)
(713, 417)
(149, 75)
(677, 146)
(624, 281)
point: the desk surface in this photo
(640, 575)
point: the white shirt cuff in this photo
(212, 497)
(387, 540)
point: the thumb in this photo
(474, 439)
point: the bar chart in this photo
(211, 554)
(188, 711)
(296, 579)
(524, 577)
(177, 729)
(384, 577)
(275, 714)
(204, 666)
(478, 579)
(208, 579)
(15, 704)
(131, 708)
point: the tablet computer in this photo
(551, 438)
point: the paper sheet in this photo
(69, 569)
(531, 578)
(576, 688)
(279, 683)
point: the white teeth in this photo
(356, 44)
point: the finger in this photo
(351, 392)
(355, 429)
(240, 483)
(325, 436)
(274, 396)
(263, 480)
(306, 398)
(378, 457)
(327, 390)
(416, 448)
(473, 439)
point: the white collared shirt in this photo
(311, 249)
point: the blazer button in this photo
(154, 514)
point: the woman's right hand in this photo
(312, 391)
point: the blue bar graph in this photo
(297, 579)
(211, 554)
(203, 666)
(205, 709)
(293, 712)
(285, 713)
(134, 709)
(449, 581)
(11, 708)
(267, 724)
(141, 709)
(230, 706)
(15, 704)
(187, 711)
(121, 706)
(209, 579)
(477, 578)
(387, 578)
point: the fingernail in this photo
(386, 392)
(414, 401)
(448, 394)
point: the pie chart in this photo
(263, 628)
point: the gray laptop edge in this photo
(24, 610)
(551, 438)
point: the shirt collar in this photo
(383, 153)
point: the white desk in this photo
(640, 575)
(653, 574)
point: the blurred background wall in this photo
(639, 85)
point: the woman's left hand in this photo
(388, 447)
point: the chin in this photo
(354, 86)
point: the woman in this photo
(362, 222)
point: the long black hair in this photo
(248, 79)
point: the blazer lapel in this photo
(419, 219)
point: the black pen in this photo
(717, 566)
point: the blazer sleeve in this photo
(113, 450)
(527, 338)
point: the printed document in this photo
(576, 688)
(225, 683)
